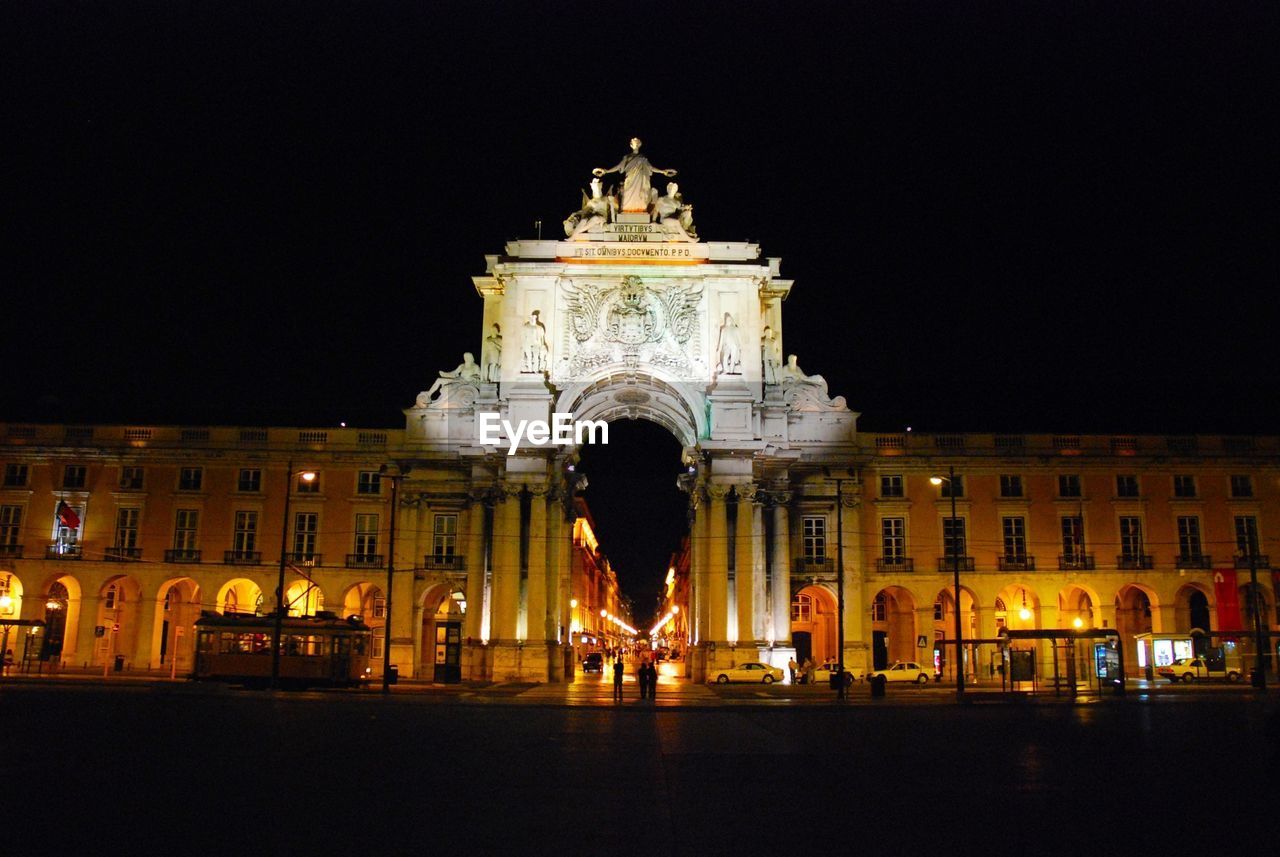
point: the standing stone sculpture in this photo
(673, 215)
(492, 355)
(729, 361)
(468, 372)
(635, 169)
(533, 345)
(770, 355)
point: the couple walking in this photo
(646, 677)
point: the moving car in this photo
(1193, 669)
(822, 674)
(753, 672)
(593, 663)
(902, 671)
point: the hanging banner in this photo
(1228, 598)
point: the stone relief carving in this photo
(492, 355)
(533, 345)
(729, 359)
(770, 355)
(467, 374)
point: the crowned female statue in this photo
(635, 169)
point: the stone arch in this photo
(443, 608)
(1137, 612)
(173, 624)
(303, 598)
(365, 599)
(943, 627)
(1021, 608)
(813, 623)
(10, 595)
(641, 395)
(1193, 608)
(59, 606)
(893, 622)
(119, 606)
(1076, 601)
(238, 595)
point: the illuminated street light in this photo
(950, 479)
(306, 476)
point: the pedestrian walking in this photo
(651, 674)
(617, 679)
(791, 667)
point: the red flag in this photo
(1228, 598)
(67, 516)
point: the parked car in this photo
(753, 672)
(593, 663)
(902, 671)
(1195, 669)
(822, 674)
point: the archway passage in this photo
(813, 624)
(893, 623)
(640, 513)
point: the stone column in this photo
(558, 587)
(698, 558)
(781, 572)
(744, 568)
(474, 559)
(717, 572)
(506, 567)
(536, 630)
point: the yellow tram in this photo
(320, 650)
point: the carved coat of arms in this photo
(608, 321)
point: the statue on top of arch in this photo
(638, 197)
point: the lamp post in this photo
(395, 478)
(840, 684)
(1259, 677)
(277, 631)
(950, 479)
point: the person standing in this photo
(653, 681)
(791, 667)
(617, 679)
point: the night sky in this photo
(1024, 216)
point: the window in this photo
(1188, 537)
(1010, 485)
(10, 525)
(187, 523)
(1184, 486)
(937, 609)
(307, 486)
(369, 482)
(950, 484)
(245, 538)
(891, 486)
(1015, 539)
(1126, 486)
(68, 524)
(127, 528)
(1246, 535)
(879, 607)
(190, 478)
(113, 598)
(15, 475)
(366, 535)
(1072, 537)
(375, 647)
(953, 541)
(1069, 485)
(893, 539)
(1130, 537)
(73, 476)
(1241, 486)
(250, 480)
(802, 608)
(815, 538)
(379, 607)
(130, 478)
(444, 536)
(305, 527)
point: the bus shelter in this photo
(1078, 660)
(1220, 649)
(27, 634)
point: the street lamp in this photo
(950, 479)
(277, 631)
(396, 478)
(840, 685)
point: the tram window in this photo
(227, 643)
(358, 645)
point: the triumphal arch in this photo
(631, 315)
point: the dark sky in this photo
(1024, 216)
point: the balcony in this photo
(444, 562)
(1076, 562)
(242, 557)
(10, 551)
(944, 563)
(115, 553)
(891, 564)
(810, 566)
(1194, 560)
(182, 555)
(364, 560)
(1136, 561)
(1260, 560)
(1016, 563)
(62, 551)
(307, 558)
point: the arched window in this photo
(802, 608)
(113, 598)
(879, 607)
(938, 609)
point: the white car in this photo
(1193, 669)
(902, 671)
(754, 672)
(822, 674)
